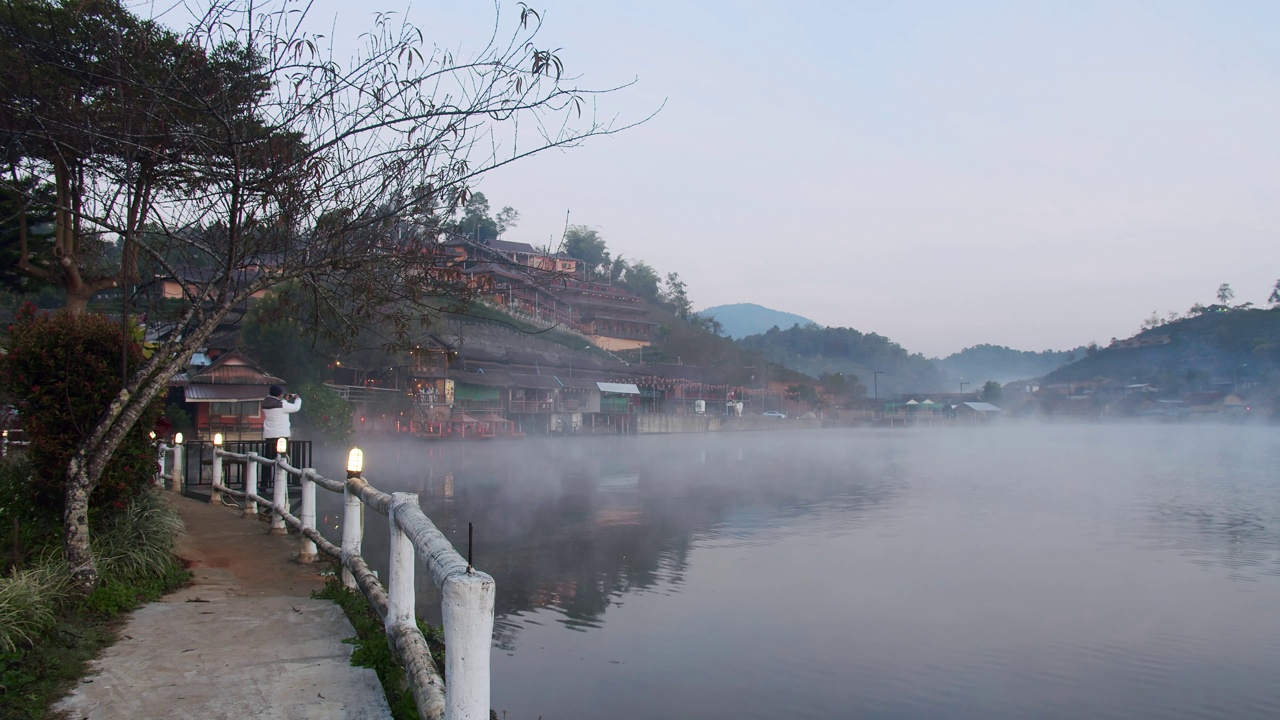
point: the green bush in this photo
(37, 531)
(62, 373)
(324, 411)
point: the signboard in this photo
(448, 392)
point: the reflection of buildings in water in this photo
(572, 526)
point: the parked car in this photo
(775, 414)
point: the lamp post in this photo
(352, 522)
(215, 469)
(280, 498)
(177, 463)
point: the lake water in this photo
(1102, 571)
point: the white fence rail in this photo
(467, 596)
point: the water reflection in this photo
(576, 525)
(1064, 572)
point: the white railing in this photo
(467, 596)
(6, 443)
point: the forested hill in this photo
(742, 319)
(1002, 364)
(1188, 354)
(817, 350)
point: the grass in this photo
(373, 651)
(48, 636)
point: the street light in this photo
(962, 384)
(355, 462)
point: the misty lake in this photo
(1067, 571)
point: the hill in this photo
(1002, 364)
(742, 319)
(1189, 354)
(816, 351)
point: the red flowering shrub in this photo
(62, 372)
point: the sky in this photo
(1038, 175)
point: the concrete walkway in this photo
(245, 640)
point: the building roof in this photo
(514, 247)
(234, 368)
(223, 393)
(541, 382)
(982, 407)
(619, 388)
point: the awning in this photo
(201, 392)
(618, 388)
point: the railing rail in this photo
(467, 596)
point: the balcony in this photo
(531, 406)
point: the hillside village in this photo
(549, 349)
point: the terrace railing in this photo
(467, 596)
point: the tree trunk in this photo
(77, 302)
(75, 519)
(92, 454)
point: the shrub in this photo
(324, 410)
(37, 531)
(62, 373)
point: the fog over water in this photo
(1054, 571)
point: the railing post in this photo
(400, 588)
(308, 554)
(251, 470)
(176, 470)
(160, 448)
(352, 532)
(467, 609)
(215, 497)
(281, 498)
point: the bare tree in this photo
(239, 158)
(1225, 293)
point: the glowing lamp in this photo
(282, 445)
(217, 439)
(177, 438)
(355, 462)
(152, 434)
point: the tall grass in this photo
(29, 601)
(138, 542)
(133, 548)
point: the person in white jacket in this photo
(276, 408)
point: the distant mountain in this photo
(1212, 350)
(742, 319)
(981, 363)
(818, 351)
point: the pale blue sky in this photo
(1033, 174)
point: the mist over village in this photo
(473, 360)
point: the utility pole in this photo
(875, 380)
(962, 384)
